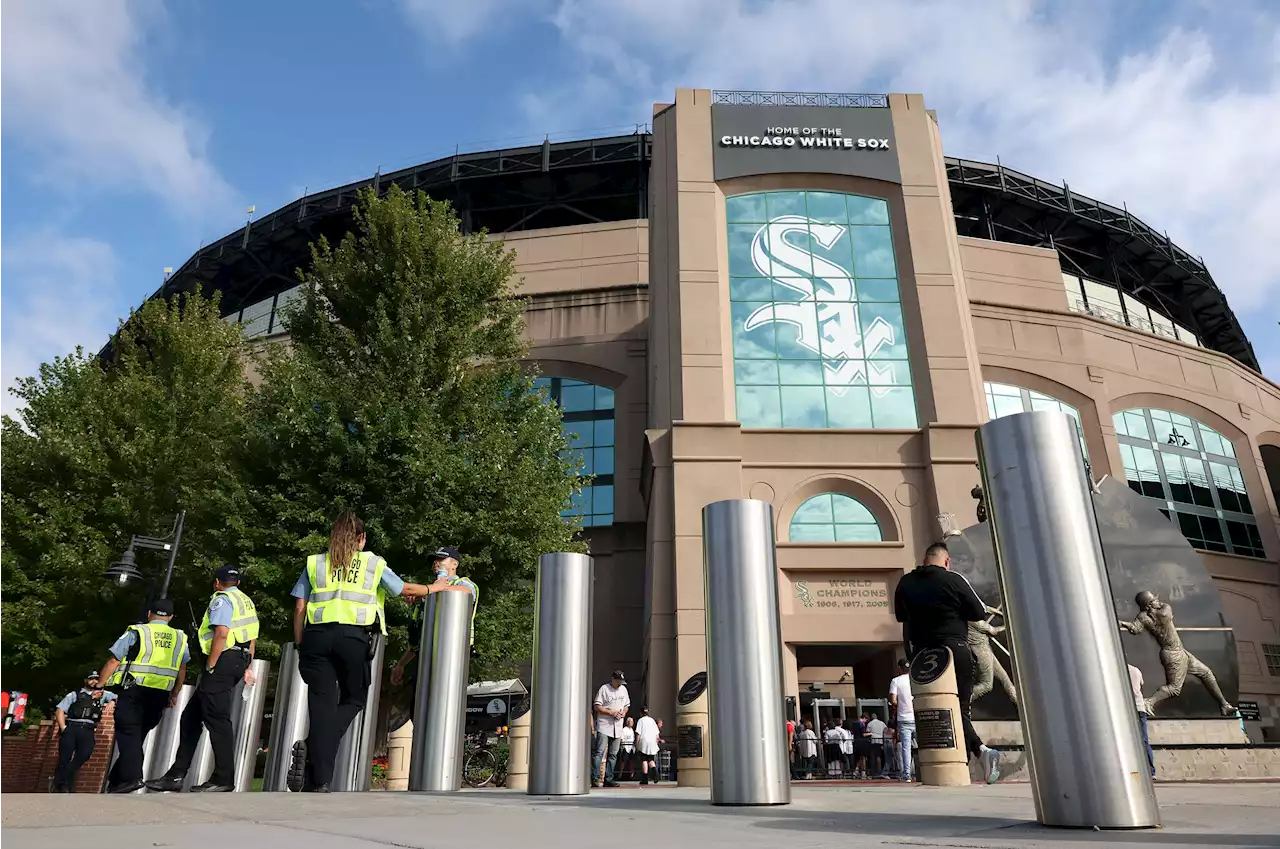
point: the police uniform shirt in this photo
(120, 648)
(391, 582)
(221, 609)
(70, 698)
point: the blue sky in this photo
(135, 130)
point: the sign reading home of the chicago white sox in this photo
(750, 140)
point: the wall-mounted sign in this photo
(496, 707)
(1249, 711)
(692, 688)
(843, 595)
(751, 140)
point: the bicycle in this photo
(480, 762)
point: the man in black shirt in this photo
(935, 607)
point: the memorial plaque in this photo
(928, 665)
(689, 741)
(1249, 711)
(934, 729)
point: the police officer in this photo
(155, 659)
(935, 607)
(338, 605)
(77, 716)
(228, 635)
(445, 561)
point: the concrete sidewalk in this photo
(1219, 815)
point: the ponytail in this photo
(344, 542)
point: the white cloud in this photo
(76, 92)
(454, 21)
(1171, 110)
(66, 295)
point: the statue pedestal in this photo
(939, 730)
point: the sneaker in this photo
(611, 783)
(991, 765)
(296, 777)
(167, 784)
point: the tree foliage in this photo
(401, 394)
(103, 451)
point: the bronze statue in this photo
(1156, 618)
(987, 669)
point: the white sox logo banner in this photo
(832, 329)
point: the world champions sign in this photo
(752, 140)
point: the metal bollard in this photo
(353, 769)
(249, 727)
(289, 721)
(161, 745)
(559, 748)
(744, 656)
(440, 711)
(1088, 764)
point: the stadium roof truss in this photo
(557, 184)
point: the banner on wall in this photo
(855, 141)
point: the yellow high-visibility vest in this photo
(350, 595)
(244, 621)
(160, 651)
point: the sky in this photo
(135, 131)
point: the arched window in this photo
(588, 428)
(833, 517)
(818, 338)
(1191, 469)
(1005, 400)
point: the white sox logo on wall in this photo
(834, 332)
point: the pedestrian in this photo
(846, 748)
(935, 606)
(903, 706)
(1135, 683)
(338, 610)
(861, 746)
(627, 751)
(890, 753)
(648, 737)
(832, 737)
(808, 748)
(77, 716)
(610, 704)
(228, 636)
(155, 659)
(875, 733)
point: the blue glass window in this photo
(588, 428)
(833, 517)
(1005, 400)
(1190, 471)
(818, 337)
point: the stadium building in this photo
(799, 298)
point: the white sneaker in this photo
(991, 765)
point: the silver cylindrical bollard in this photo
(253, 698)
(161, 746)
(289, 721)
(1088, 764)
(440, 711)
(559, 748)
(749, 764)
(353, 769)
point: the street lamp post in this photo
(126, 569)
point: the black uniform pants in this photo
(210, 708)
(333, 660)
(138, 710)
(75, 746)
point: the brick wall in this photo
(29, 762)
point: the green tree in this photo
(103, 450)
(400, 393)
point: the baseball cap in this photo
(227, 573)
(617, 673)
(163, 606)
(445, 553)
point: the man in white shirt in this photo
(901, 703)
(648, 736)
(876, 728)
(808, 748)
(1135, 683)
(611, 703)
